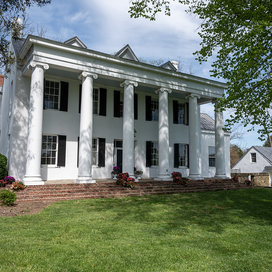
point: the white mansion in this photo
(68, 112)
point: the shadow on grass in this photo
(210, 210)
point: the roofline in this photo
(31, 39)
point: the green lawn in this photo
(211, 231)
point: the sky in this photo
(106, 26)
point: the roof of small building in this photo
(206, 122)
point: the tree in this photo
(268, 142)
(10, 11)
(239, 34)
(235, 154)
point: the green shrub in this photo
(3, 166)
(7, 197)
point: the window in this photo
(95, 151)
(95, 101)
(211, 156)
(253, 157)
(51, 95)
(151, 108)
(155, 109)
(152, 154)
(99, 101)
(53, 150)
(56, 95)
(181, 155)
(180, 113)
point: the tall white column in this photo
(128, 127)
(35, 121)
(163, 135)
(86, 129)
(194, 135)
(219, 146)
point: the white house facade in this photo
(69, 112)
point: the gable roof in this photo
(126, 53)
(75, 41)
(169, 65)
(266, 152)
(206, 122)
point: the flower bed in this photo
(125, 180)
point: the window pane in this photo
(51, 95)
(49, 149)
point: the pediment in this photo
(169, 66)
(126, 53)
(75, 41)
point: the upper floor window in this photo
(118, 106)
(253, 157)
(51, 95)
(99, 100)
(180, 113)
(151, 108)
(211, 156)
(56, 95)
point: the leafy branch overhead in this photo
(239, 34)
(10, 11)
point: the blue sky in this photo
(106, 26)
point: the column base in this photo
(220, 176)
(84, 180)
(195, 177)
(163, 177)
(33, 180)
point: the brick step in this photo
(59, 192)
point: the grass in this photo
(210, 231)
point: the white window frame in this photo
(154, 154)
(51, 94)
(96, 92)
(211, 151)
(253, 157)
(154, 109)
(185, 155)
(51, 149)
(95, 152)
(182, 117)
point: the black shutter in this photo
(175, 112)
(64, 88)
(103, 102)
(101, 152)
(148, 112)
(135, 106)
(148, 154)
(187, 111)
(116, 104)
(176, 155)
(79, 99)
(188, 156)
(44, 94)
(62, 150)
(77, 151)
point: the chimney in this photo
(175, 64)
(17, 28)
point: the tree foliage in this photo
(10, 10)
(239, 34)
(235, 154)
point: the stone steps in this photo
(57, 192)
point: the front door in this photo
(119, 158)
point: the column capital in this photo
(163, 90)
(193, 96)
(87, 74)
(129, 82)
(34, 64)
